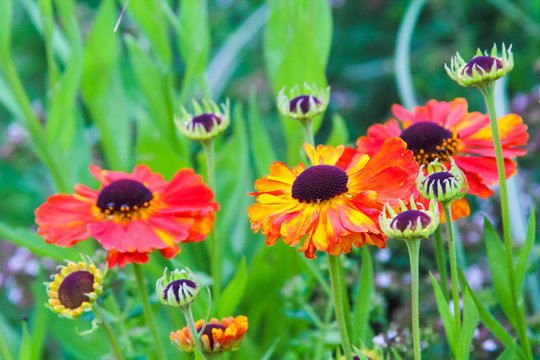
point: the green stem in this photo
(441, 261)
(160, 354)
(208, 148)
(453, 266)
(333, 267)
(489, 97)
(307, 126)
(193, 331)
(414, 250)
(121, 324)
(108, 330)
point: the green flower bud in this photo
(179, 290)
(208, 121)
(303, 103)
(440, 183)
(409, 224)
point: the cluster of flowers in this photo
(386, 186)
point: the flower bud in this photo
(208, 121)
(482, 69)
(303, 104)
(409, 224)
(440, 183)
(179, 290)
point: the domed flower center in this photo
(319, 182)
(73, 288)
(208, 331)
(178, 286)
(124, 195)
(206, 120)
(305, 103)
(439, 179)
(483, 65)
(410, 218)
(429, 141)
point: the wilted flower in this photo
(209, 120)
(179, 289)
(413, 223)
(303, 103)
(440, 183)
(482, 69)
(216, 336)
(74, 288)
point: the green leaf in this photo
(524, 256)
(446, 315)
(487, 318)
(40, 319)
(364, 299)
(261, 145)
(396, 354)
(339, 134)
(470, 320)
(499, 271)
(24, 352)
(6, 10)
(510, 353)
(359, 353)
(8, 339)
(30, 240)
(234, 292)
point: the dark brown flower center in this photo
(429, 141)
(73, 288)
(410, 218)
(206, 120)
(177, 287)
(208, 331)
(305, 103)
(123, 195)
(482, 64)
(437, 179)
(319, 182)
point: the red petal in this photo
(115, 258)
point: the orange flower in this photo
(445, 129)
(336, 202)
(131, 214)
(216, 337)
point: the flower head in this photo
(441, 130)
(303, 103)
(440, 183)
(179, 289)
(208, 121)
(74, 288)
(482, 69)
(131, 214)
(216, 336)
(413, 223)
(335, 203)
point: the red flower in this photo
(443, 129)
(131, 214)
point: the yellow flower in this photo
(74, 288)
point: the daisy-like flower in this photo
(303, 103)
(131, 214)
(482, 69)
(440, 130)
(336, 202)
(209, 120)
(74, 288)
(216, 337)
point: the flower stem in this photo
(193, 330)
(307, 126)
(489, 97)
(333, 265)
(414, 250)
(208, 148)
(441, 261)
(453, 266)
(160, 354)
(108, 330)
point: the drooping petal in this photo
(376, 135)
(120, 259)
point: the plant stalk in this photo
(160, 354)
(333, 266)
(414, 250)
(440, 258)
(193, 330)
(108, 330)
(453, 266)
